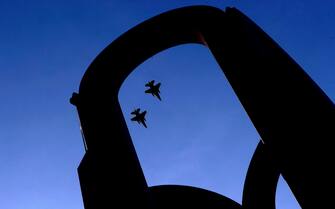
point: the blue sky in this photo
(198, 135)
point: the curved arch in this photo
(178, 196)
(288, 117)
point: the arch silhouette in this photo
(287, 108)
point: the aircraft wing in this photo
(134, 118)
(149, 91)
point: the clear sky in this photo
(198, 135)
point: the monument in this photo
(294, 117)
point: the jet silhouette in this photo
(139, 116)
(153, 89)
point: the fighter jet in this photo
(153, 89)
(139, 116)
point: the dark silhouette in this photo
(153, 89)
(139, 116)
(292, 115)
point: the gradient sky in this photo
(198, 135)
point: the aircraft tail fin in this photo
(159, 97)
